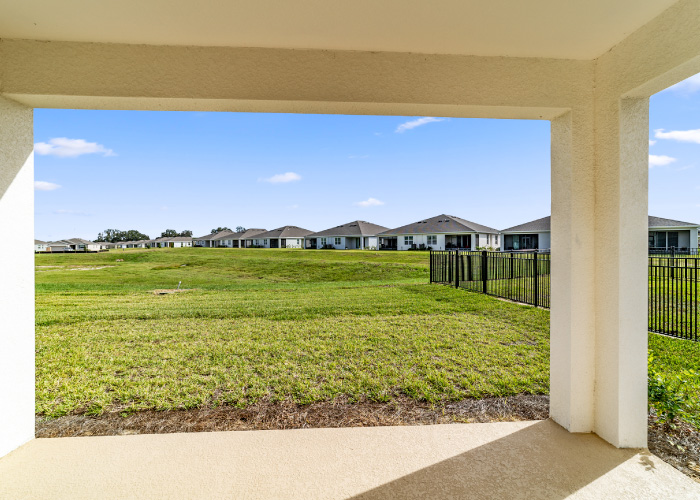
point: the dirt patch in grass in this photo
(679, 447)
(266, 416)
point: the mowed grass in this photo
(271, 325)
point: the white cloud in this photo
(45, 186)
(71, 148)
(687, 86)
(651, 143)
(660, 160)
(369, 202)
(280, 178)
(679, 135)
(416, 123)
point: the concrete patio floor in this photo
(497, 460)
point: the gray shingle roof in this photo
(544, 224)
(39, 242)
(174, 238)
(440, 224)
(661, 222)
(221, 235)
(209, 236)
(248, 233)
(284, 232)
(355, 228)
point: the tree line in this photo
(115, 235)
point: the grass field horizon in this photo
(282, 326)
(273, 325)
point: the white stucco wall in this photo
(17, 271)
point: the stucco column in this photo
(621, 323)
(572, 326)
(599, 270)
(17, 271)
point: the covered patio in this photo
(587, 67)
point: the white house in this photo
(173, 242)
(533, 235)
(235, 240)
(439, 233)
(282, 237)
(354, 235)
(40, 246)
(664, 234)
(73, 245)
(211, 240)
(668, 233)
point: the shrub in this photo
(672, 396)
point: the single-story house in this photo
(172, 242)
(533, 235)
(40, 246)
(81, 245)
(664, 234)
(282, 237)
(354, 235)
(73, 245)
(668, 233)
(237, 240)
(212, 239)
(131, 244)
(59, 246)
(439, 233)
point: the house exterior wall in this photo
(544, 239)
(17, 270)
(41, 247)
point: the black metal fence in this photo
(673, 296)
(674, 282)
(518, 276)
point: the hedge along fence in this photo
(674, 282)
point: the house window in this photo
(323, 242)
(337, 241)
(408, 241)
(298, 242)
(432, 239)
(265, 242)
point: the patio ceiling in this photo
(536, 28)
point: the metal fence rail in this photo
(674, 282)
(518, 276)
(673, 296)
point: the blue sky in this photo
(153, 171)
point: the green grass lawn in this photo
(281, 325)
(271, 324)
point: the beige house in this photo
(588, 68)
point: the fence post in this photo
(536, 288)
(431, 266)
(673, 262)
(511, 265)
(484, 269)
(457, 268)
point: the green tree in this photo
(219, 229)
(168, 233)
(240, 229)
(186, 233)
